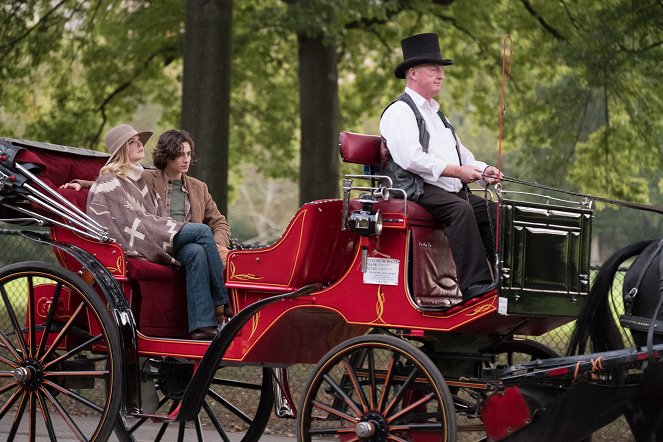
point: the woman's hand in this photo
(71, 185)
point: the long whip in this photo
(506, 72)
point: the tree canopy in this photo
(583, 104)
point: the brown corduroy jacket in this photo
(200, 207)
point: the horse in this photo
(643, 298)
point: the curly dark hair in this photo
(169, 147)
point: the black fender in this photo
(196, 391)
(120, 311)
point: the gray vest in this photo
(411, 183)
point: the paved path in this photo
(170, 436)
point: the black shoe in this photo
(478, 289)
(204, 333)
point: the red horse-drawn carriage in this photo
(362, 286)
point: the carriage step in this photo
(155, 418)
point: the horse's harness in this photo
(638, 322)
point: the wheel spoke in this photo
(61, 411)
(72, 395)
(33, 417)
(236, 411)
(49, 319)
(350, 403)
(237, 384)
(46, 415)
(215, 422)
(334, 411)
(199, 430)
(9, 346)
(361, 396)
(371, 375)
(180, 431)
(8, 362)
(10, 402)
(396, 438)
(31, 317)
(18, 417)
(14, 321)
(401, 391)
(410, 407)
(387, 381)
(74, 351)
(63, 332)
(10, 385)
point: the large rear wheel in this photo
(60, 359)
(377, 388)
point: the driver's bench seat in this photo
(432, 276)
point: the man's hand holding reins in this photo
(491, 174)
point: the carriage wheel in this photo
(239, 401)
(59, 351)
(377, 388)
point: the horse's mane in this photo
(596, 321)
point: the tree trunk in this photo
(319, 113)
(206, 91)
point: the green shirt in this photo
(177, 200)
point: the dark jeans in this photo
(196, 250)
(468, 229)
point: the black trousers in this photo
(468, 228)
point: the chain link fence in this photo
(16, 248)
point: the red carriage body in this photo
(313, 249)
(361, 278)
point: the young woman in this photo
(122, 201)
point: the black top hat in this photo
(420, 49)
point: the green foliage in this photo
(583, 104)
(76, 68)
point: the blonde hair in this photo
(120, 165)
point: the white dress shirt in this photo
(399, 127)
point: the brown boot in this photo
(219, 314)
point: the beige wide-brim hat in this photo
(117, 136)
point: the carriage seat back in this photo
(360, 148)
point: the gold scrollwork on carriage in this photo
(242, 276)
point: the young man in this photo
(429, 162)
(185, 198)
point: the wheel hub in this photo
(372, 428)
(173, 377)
(29, 374)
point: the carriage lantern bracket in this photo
(366, 222)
